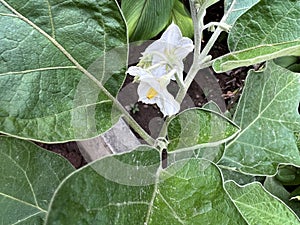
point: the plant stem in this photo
(223, 26)
(214, 37)
(198, 21)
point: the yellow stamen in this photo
(151, 93)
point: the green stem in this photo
(213, 38)
(223, 26)
(198, 21)
(200, 60)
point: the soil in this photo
(230, 84)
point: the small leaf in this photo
(259, 207)
(212, 106)
(268, 116)
(196, 128)
(47, 52)
(182, 18)
(145, 19)
(29, 177)
(132, 189)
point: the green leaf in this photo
(276, 188)
(288, 175)
(266, 31)
(211, 153)
(113, 190)
(145, 19)
(133, 189)
(182, 18)
(191, 192)
(196, 128)
(205, 3)
(29, 177)
(47, 51)
(297, 136)
(212, 106)
(268, 22)
(235, 8)
(239, 178)
(259, 207)
(268, 116)
(255, 55)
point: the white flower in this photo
(168, 52)
(158, 65)
(153, 90)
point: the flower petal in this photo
(142, 91)
(138, 71)
(164, 100)
(185, 46)
(169, 40)
(172, 35)
(167, 104)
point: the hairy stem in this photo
(200, 60)
(214, 37)
(198, 20)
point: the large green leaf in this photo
(29, 177)
(259, 207)
(47, 49)
(132, 189)
(181, 17)
(205, 3)
(145, 18)
(235, 8)
(268, 116)
(196, 128)
(268, 22)
(266, 31)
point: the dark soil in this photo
(149, 115)
(68, 150)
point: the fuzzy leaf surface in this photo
(235, 8)
(199, 127)
(268, 22)
(256, 55)
(258, 206)
(28, 179)
(47, 49)
(132, 189)
(267, 114)
(266, 31)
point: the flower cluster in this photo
(160, 63)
